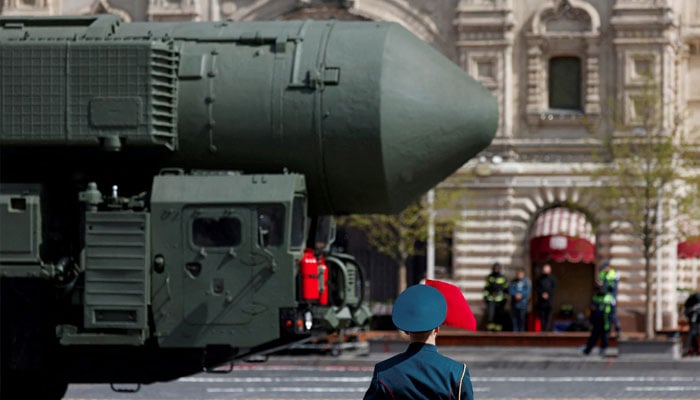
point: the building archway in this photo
(564, 238)
(103, 7)
(419, 21)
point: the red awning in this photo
(562, 234)
(562, 248)
(689, 248)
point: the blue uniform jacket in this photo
(419, 373)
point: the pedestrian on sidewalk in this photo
(495, 298)
(692, 312)
(420, 372)
(545, 286)
(601, 306)
(519, 290)
(609, 278)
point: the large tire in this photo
(21, 385)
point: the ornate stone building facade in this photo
(552, 64)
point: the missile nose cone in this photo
(427, 118)
(433, 117)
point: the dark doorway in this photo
(575, 282)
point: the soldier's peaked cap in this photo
(419, 308)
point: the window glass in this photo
(216, 232)
(271, 225)
(298, 222)
(325, 232)
(443, 246)
(565, 83)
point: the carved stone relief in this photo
(29, 7)
(558, 28)
(485, 43)
(417, 16)
(174, 10)
(565, 18)
(646, 48)
(104, 7)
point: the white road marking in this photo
(197, 379)
(280, 367)
(570, 379)
(507, 379)
(291, 389)
(663, 389)
(295, 389)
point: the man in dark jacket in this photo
(544, 287)
(692, 312)
(495, 298)
(519, 290)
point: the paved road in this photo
(329, 378)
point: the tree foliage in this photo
(397, 235)
(646, 161)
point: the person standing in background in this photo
(519, 290)
(544, 287)
(495, 297)
(601, 306)
(609, 279)
(692, 312)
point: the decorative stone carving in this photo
(485, 45)
(647, 48)
(414, 15)
(103, 7)
(174, 10)
(560, 27)
(565, 18)
(406, 12)
(238, 10)
(29, 7)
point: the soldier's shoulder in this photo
(390, 362)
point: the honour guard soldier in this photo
(420, 372)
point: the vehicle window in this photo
(271, 225)
(298, 222)
(216, 232)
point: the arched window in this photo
(563, 89)
(565, 83)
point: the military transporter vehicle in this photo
(165, 186)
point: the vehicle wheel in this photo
(32, 385)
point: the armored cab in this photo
(164, 186)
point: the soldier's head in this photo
(419, 310)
